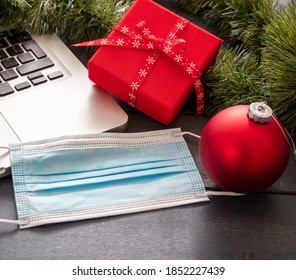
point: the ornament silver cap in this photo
(260, 112)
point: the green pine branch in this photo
(247, 18)
(77, 20)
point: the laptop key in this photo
(55, 75)
(5, 89)
(34, 48)
(35, 66)
(8, 75)
(2, 54)
(9, 62)
(39, 81)
(3, 43)
(22, 86)
(3, 34)
(35, 75)
(19, 37)
(25, 58)
(14, 50)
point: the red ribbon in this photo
(172, 46)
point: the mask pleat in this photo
(57, 162)
(112, 192)
(48, 181)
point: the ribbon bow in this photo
(172, 46)
(158, 42)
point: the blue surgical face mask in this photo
(83, 177)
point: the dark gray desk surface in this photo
(258, 226)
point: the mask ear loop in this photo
(7, 221)
(186, 133)
(13, 222)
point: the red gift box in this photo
(153, 59)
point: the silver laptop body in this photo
(68, 105)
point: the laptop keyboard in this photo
(21, 57)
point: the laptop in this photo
(45, 92)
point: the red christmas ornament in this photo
(244, 148)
